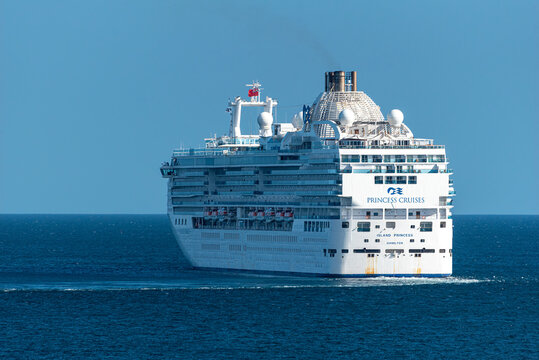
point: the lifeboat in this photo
(279, 215)
(270, 214)
(261, 214)
(207, 213)
(252, 213)
(214, 212)
(289, 215)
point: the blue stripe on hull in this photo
(291, 273)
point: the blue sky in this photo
(94, 95)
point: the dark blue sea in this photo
(89, 286)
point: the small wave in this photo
(247, 284)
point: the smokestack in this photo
(339, 79)
(354, 80)
(327, 82)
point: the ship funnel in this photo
(341, 81)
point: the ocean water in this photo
(88, 286)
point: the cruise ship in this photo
(339, 191)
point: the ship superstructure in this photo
(339, 191)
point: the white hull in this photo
(299, 252)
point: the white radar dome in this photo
(347, 117)
(395, 117)
(297, 120)
(265, 120)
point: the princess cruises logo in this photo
(394, 191)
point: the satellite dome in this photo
(347, 117)
(297, 120)
(265, 120)
(395, 117)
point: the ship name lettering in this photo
(392, 200)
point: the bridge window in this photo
(378, 179)
(391, 180)
(412, 179)
(401, 179)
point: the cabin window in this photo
(436, 158)
(425, 226)
(350, 158)
(390, 224)
(345, 225)
(363, 226)
(442, 224)
(394, 158)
